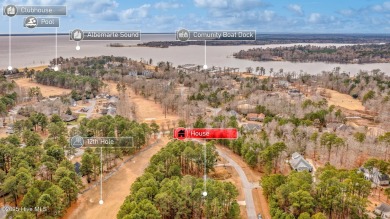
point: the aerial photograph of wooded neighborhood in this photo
(223, 109)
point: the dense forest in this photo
(70, 81)
(372, 53)
(107, 126)
(166, 190)
(7, 96)
(37, 173)
(337, 194)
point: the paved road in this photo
(246, 185)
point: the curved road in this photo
(246, 185)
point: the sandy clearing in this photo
(45, 90)
(147, 110)
(251, 75)
(343, 100)
(2, 132)
(115, 189)
(36, 68)
(376, 197)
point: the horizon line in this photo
(166, 33)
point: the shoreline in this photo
(216, 55)
(36, 68)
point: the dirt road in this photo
(115, 189)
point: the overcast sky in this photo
(265, 16)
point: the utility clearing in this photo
(46, 91)
(343, 100)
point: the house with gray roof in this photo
(251, 127)
(379, 178)
(69, 118)
(375, 176)
(383, 210)
(299, 163)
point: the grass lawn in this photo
(81, 116)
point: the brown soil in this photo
(2, 132)
(221, 173)
(148, 111)
(36, 68)
(250, 75)
(228, 174)
(115, 189)
(343, 100)
(377, 197)
(45, 90)
(351, 108)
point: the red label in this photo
(205, 133)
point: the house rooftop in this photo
(298, 162)
(251, 127)
(383, 207)
(233, 113)
(381, 176)
(296, 155)
(69, 118)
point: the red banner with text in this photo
(205, 133)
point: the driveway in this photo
(247, 186)
(91, 108)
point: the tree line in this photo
(166, 190)
(36, 174)
(136, 136)
(69, 81)
(8, 98)
(371, 53)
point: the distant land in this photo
(349, 54)
(262, 39)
